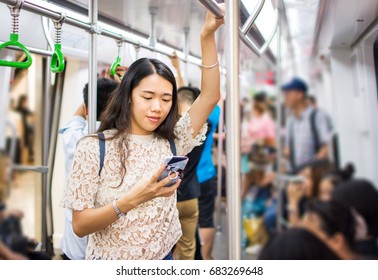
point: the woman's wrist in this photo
(207, 34)
(126, 203)
(292, 207)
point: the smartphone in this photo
(174, 168)
(295, 179)
(298, 180)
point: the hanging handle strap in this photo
(13, 42)
(57, 60)
(115, 65)
(117, 62)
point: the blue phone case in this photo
(175, 166)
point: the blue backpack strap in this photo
(172, 146)
(101, 138)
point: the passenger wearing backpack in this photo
(309, 131)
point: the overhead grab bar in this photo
(251, 44)
(213, 8)
(267, 43)
(252, 18)
(117, 62)
(15, 13)
(52, 11)
(57, 60)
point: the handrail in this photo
(54, 12)
(13, 39)
(57, 60)
(252, 18)
(267, 42)
(259, 51)
(213, 7)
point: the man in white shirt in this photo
(73, 247)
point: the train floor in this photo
(23, 197)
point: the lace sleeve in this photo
(83, 180)
(185, 141)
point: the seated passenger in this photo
(334, 224)
(297, 244)
(332, 179)
(362, 197)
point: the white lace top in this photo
(148, 231)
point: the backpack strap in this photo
(314, 130)
(291, 146)
(173, 147)
(101, 138)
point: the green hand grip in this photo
(14, 42)
(115, 65)
(57, 60)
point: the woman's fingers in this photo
(168, 191)
(157, 174)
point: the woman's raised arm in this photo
(210, 84)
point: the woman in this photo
(361, 197)
(301, 192)
(334, 178)
(296, 244)
(260, 140)
(125, 210)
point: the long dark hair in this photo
(117, 114)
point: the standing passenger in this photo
(73, 247)
(123, 207)
(189, 190)
(207, 177)
(308, 130)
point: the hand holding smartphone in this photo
(174, 168)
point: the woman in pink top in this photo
(261, 132)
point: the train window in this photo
(376, 61)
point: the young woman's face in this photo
(307, 183)
(325, 190)
(151, 102)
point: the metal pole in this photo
(252, 18)
(233, 131)
(153, 12)
(219, 170)
(45, 153)
(280, 183)
(92, 79)
(213, 7)
(186, 53)
(48, 10)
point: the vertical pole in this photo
(219, 170)
(186, 52)
(5, 74)
(92, 79)
(278, 91)
(45, 155)
(280, 184)
(233, 131)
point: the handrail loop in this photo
(15, 13)
(117, 62)
(57, 64)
